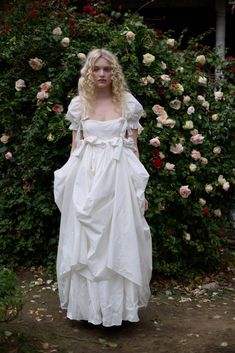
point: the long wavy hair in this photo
(86, 84)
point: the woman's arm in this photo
(135, 138)
(74, 139)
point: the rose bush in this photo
(186, 143)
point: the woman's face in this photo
(102, 73)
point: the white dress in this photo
(104, 260)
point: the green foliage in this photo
(187, 237)
(10, 301)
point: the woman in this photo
(104, 252)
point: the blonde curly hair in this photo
(86, 84)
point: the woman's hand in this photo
(146, 205)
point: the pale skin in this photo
(103, 103)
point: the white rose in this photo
(176, 149)
(188, 125)
(200, 99)
(215, 117)
(216, 150)
(163, 65)
(65, 42)
(57, 31)
(218, 95)
(206, 105)
(19, 85)
(204, 160)
(200, 59)
(4, 139)
(202, 80)
(81, 56)
(202, 201)
(175, 104)
(148, 59)
(161, 155)
(192, 167)
(170, 42)
(150, 79)
(169, 166)
(187, 236)
(208, 188)
(221, 180)
(226, 186)
(217, 212)
(190, 110)
(180, 69)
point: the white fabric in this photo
(104, 259)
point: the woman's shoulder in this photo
(75, 108)
(134, 107)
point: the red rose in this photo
(206, 211)
(157, 163)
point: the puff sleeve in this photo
(74, 113)
(134, 111)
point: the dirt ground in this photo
(198, 318)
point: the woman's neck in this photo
(103, 93)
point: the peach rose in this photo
(169, 123)
(204, 160)
(158, 109)
(4, 139)
(217, 150)
(36, 64)
(217, 212)
(8, 155)
(186, 100)
(215, 117)
(184, 191)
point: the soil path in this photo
(195, 319)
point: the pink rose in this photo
(4, 139)
(57, 108)
(165, 78)
(45, 86)
(186, 99)
(197, 139)
(184, 191)
(226, 186)
(42, 95)
(8, 155)
(162, 119)
(57, 31)
(36, 64)
(190, 110)
(19, 85)
(169, 123)
(130, 35)
(202, 201)
(155, 142)
(195, 154)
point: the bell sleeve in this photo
(74, 114)
(134, 112)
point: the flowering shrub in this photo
(186, 142)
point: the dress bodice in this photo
(104, 130)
